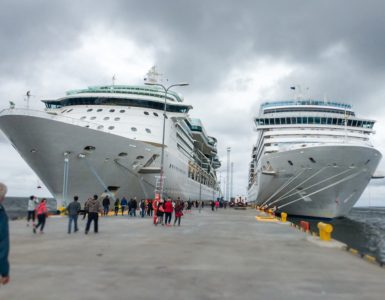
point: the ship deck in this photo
(213, 255)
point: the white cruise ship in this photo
(312, 158)
(110, 137)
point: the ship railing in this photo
(50, 116)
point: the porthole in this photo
(93, 118)
(133, 129)
(89, 148)
(112, 110)
(99, 110)
(146, 113)
(82, 118)
(100, 127)
(122, 111)
(87, 126)
(148, 130)
(312, 160)
(117, 119)
(156, 114)
(290, 162)
(90, 109)
(122, 154)
(140, 157)
(111, 127)
(106, 118)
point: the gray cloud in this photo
(336, 48)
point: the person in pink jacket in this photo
(42, 213)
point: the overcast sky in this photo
(234, 54)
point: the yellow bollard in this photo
(283, 217)
(325, 231)
(62, 210)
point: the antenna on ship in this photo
(153, 76)
(27, 96)
(113, 80)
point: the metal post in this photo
(161, 179)
(231, 180)
(65, 180)
(228, 175)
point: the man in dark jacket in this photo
(106, 205)
(73, 210)
(4, 238)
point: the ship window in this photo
(90, 109)
(82, 118)
(311, 120)
(100, 127)
(89, 148)
(323, 120)
(112, 110)
(140, 157)
(122, 154)
(122, 111)
(334, 121)
(99, 110)
(93, 118)
(272, 122)
(146, 113)
(329, 121)
(106, 118)
(111, 127)
(293, 120)
(133, 129)
(359, 123)
(350, 122)
(317, 120)
(283, 121)
(312, 160)
(117, 119)
(290, 162)
(288, 120)
(155, 114)
(148, 130)
(276, 120)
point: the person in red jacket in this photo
(42, 213)
(155, 209)
(168, 211)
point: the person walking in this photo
(85, 212)
(123, 204)
(93, 214)
(160, 213)
(42, 214)
(106, 205)
(216, 205)
(212, 203)
(168, 211)
(155, 204)
(116, 205)
(73, 210)
(142, 207)
(200, 206)
(4, 238)
(178, 212)
(32, 203)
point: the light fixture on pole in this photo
(164, 127)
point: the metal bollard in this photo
(325, 231)
(283, 217)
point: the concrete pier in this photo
(213, 255)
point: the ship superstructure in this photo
(312, 157)
(110, 137)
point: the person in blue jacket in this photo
(4, 238)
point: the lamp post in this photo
(164, 127)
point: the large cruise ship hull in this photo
(320, 181)
(112, 161)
